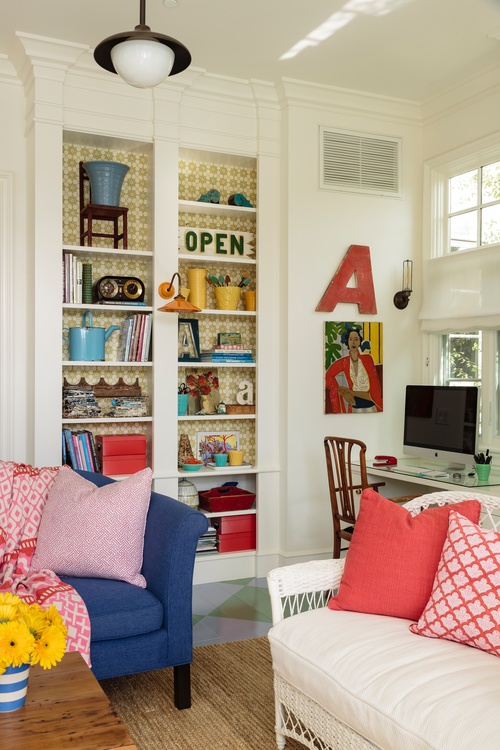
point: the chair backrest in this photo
(490, 504)
(342, 454)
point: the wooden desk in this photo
(65, 708)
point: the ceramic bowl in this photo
(192, 467)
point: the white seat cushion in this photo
(397, 689)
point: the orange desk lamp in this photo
(179, 303)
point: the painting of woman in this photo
(352, 382)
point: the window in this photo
(474, 208)
(461, 289)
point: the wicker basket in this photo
(240, 408)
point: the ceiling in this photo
(409, 49)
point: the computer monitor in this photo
(441, 422)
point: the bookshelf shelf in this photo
(214, 209)
(105, 420)
(212, 259)
(99, 363)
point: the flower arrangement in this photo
(29, 634)
(202, 384)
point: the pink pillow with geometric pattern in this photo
(465, 600)
(94, 532)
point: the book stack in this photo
(79, 450)
(72, 279)
(129, 407)
(206, 355)
(80, 402)
(135, 338)
(207, 541)
(232, 353)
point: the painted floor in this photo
(230, 611)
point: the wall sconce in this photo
(179, 303)
(143, 58)
(402, 298)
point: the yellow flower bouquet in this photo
(29, 634)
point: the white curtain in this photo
(462, 291)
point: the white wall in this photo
(15, 283)
(321, 225)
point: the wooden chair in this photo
(91, 212)
(342, 454)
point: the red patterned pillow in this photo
(94, 532)
(393, 557)
(465, 602)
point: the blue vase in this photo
(106, 180)
(13, 688)
(182, 404)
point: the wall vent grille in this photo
(360, 163)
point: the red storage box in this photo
(235, 524)
(121, 454)
(226, 498)
(236, 542)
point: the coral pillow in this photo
(465, 600)
(94, 532)
(393, 556)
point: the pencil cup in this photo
(227, 297)
(483, 472)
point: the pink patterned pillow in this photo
(94, 532)
(465, 599)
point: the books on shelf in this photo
(72, 278)
(135, 338)
(79, 450)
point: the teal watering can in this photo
(86, 344)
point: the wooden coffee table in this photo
(65, 708)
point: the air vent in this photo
(360, 163)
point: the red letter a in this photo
(356, 261)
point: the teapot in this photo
(86, 344)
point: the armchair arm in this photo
(298, 588)
(170, 540)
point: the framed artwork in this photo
(208, 443)
(188, 341)
(353, 365)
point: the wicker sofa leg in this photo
(182, 686)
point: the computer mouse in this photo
(456, 475)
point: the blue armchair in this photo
(135, 629)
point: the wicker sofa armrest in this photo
(298, 588)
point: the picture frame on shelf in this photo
(188, 341)
(209, 442)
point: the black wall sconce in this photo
(402, 298)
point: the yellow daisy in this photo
(16, 644)
(53, 617)
(34, 617)
(50, 648)
(8, 606)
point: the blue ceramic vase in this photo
(106, 180)
(13, 688)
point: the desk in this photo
(65, 707)
(399, 483)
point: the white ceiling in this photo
(409, 49)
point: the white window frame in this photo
(437, 174)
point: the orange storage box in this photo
(226, 498)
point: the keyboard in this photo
(418, 471)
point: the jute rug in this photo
(232, 702)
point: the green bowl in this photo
(192, 467)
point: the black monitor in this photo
(441, 422)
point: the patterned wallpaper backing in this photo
(195, 178)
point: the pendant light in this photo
(143, 58)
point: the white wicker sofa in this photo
(346, 680)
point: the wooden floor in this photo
(65, 708)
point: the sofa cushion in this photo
(398, 690)
(94, 532)
(393, 557)
(465, 603)
(117, 609)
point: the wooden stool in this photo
(93, 212)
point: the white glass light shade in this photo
(142, 62)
